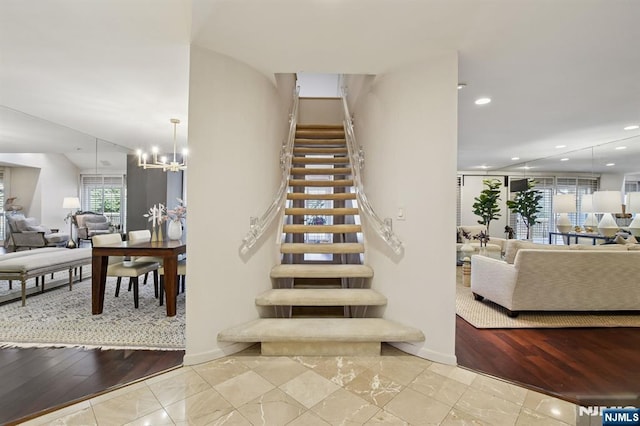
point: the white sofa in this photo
(560, 278)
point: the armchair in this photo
(27, 233)
(89, 224)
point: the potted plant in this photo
(486, 205)
(527, 205)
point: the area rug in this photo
(62, 318)
(486, 314)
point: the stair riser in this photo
(321, 229)
(318, 160)
(339, 196)
(298, 150)
(320, 348)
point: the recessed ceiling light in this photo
(564, 159)
(526, 167)
(462, 85)
(482, 101)
(620, 147)
(632, 127)
(610, 164)
(484, 167)
(560, 146)
(515, 158)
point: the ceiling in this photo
(559, 73)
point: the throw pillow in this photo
(620, 240)
(94, 226)
(632, 240)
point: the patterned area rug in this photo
(487, 314)
(59, 318)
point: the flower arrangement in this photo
(157, 214)
(179, 212)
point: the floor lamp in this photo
(563, 204)
(607, 202)
(633, 206)
(71, 203)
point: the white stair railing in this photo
(356, 155)
(259, 225)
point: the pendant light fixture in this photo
(163, 163)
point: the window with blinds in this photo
(549, 186)
(104, 194)
(458, 200)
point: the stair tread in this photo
(323, 183)
(317, 150)
(335, 196)
(325, 212)
(322, 248)
(322, 229)
(321, 271)
(320, 171)
(337, 126)
(321, 297)
(320, 160)
(321, 330)
(328, 142)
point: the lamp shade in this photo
(71, 203)
(633, 202)
(586, 203)
(564, 203)
(607, 202)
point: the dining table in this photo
(168, 250)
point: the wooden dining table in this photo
(168, 250)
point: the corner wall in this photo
(237, 123)
(406, 121)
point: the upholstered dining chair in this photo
(139, 236)
(182, 273)
(119, 267)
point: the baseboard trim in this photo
(426, 353)
(219, 352)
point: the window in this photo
(104, 194)
(549, 186)
(2, 221)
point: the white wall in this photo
(237, 123)
(407, 122)
(41, 181)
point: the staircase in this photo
(321, 302)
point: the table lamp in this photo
(71, 203)
(633, 206)
(586, 206)
(607, 202)
(563, 204)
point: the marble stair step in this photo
(321, 297)
(321, 271)
(321, 330)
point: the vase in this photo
(159, 236)
(174, 230)
(154, 235)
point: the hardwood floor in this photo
(37, 380)
(586, 366)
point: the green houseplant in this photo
(527, 205)
(486, 204)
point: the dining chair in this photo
(119, 267)
(143, 236)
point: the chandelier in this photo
(163, 163)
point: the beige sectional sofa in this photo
(540, 277)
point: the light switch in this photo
(401, 214)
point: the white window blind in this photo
(104, 194)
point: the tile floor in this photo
(248, 389)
